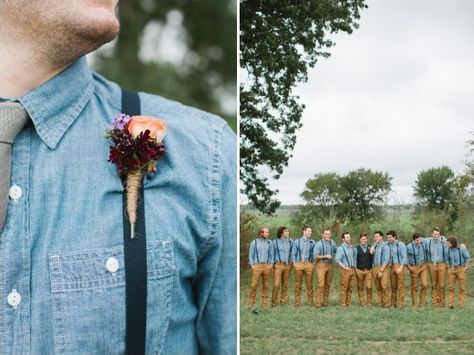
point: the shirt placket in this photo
(15, 255)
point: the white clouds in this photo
(395, 96)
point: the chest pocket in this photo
(88, 296)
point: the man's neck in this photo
(23, 68)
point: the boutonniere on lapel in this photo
(136, 148)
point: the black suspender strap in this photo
(344, 250)
(398, 253)
(414, 252)
(298, 250)
(278, 250)
(268, 251)
(256, 251)
(135, 258)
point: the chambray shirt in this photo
(302, 250)
(415, 253)
(397, 253)
(259, 252)
(346, 254)
(436, 250)
(61, 248)
(281, 250)
(381, 254)
(458, 256)
(323, 247)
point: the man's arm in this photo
(317, 251)
(215, 284)
(251, 252)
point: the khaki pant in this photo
(364, 282)
(438, 280)
(419, 272)
(280, 277)
(345, 287)
(305, 268)
(397, 282)
(381, 286)
(263, 271)
(453, 274)
(325, 276)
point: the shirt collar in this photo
(57, 103)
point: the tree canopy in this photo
(357, 196)
(279, 41)
(435, 188)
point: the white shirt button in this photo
(15, 192)
(112, 264)
(14, 298)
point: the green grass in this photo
(357, 330)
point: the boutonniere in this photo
(136, 148)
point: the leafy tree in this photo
(366, 191)
(206, 72)
(435, 188)
(280, 40)
(323, 196)
(355, 197)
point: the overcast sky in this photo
(396, 96)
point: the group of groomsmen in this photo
(379, 264)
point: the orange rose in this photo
(138, 124)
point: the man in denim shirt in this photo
(397, 261)
(418, 269)
(302, 258)
(346, 259)
(458, 262)
(380, 273)
(281, 256)
(324, 252)
(436, 255)
(61, 246)
(260, 259)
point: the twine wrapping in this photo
(133, 184)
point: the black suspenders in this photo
(278, 250)
(256, 251)
(348, 261)
(135, 259)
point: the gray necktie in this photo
(12, 119)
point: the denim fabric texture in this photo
(436, 250)
(346, 254)
(259, 252)
(458, 256)
(61, 248)
(415, 254)
(398, 253)
(323, 247)
(381, 254)
(302, 250)
(280, 250)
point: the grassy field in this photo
(357, 330)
